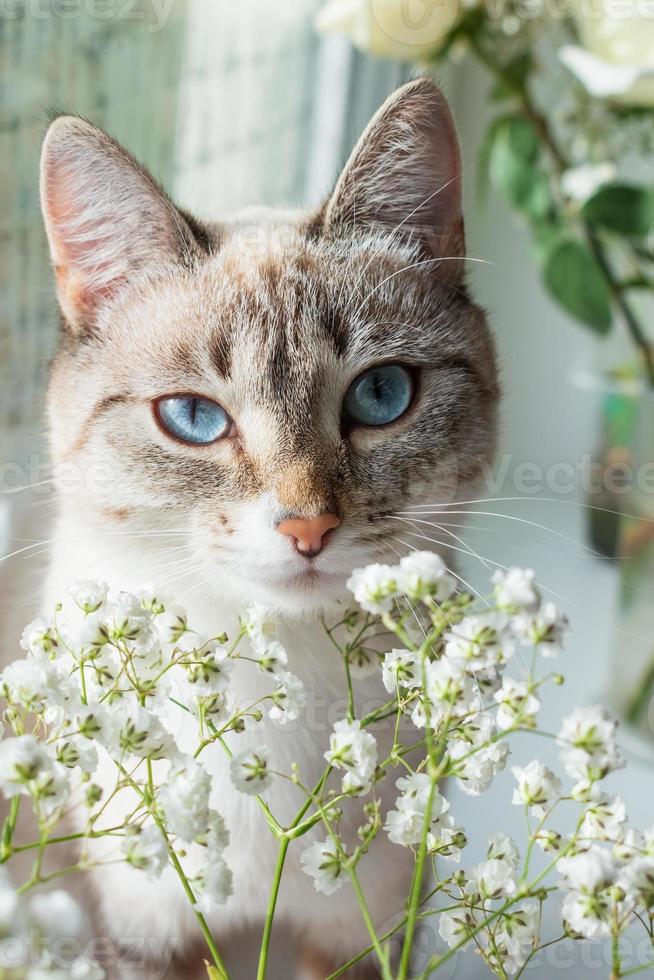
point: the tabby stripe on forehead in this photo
(102, 407)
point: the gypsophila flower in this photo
(517, 704)
(40, 639)
(492, 879)
(208, 666)
(546, 629)
(249, 770)
(214, 886)
(259, 624)
(355, 751)
(449, 689)
(604, 819)
(374, 587)
(515, 590)
(537, 787)
(288, 700)
(405, 824)
(588, 908)
(185, 801)
(323, 863)
(501, 847)
(477, 755)
(423, 575)
(56, 914)
(454, 927)
(480, 641)
(22, 760)
(146, 850)
(589, 748)
(637, 881)
(88, 595)
(401, 669)
(272, 658)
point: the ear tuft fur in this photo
(404, 175)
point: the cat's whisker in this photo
(439, 527)
(51, 542)
(438, 506)
(407, 268)
(511, 517)
(27, 486)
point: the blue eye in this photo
(380, 395)
(193, 419)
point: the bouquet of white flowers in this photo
(106, 679)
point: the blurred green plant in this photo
(560, 168)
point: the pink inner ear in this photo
(84, 277)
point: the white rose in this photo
(616, 56)
(405, 29)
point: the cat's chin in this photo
(299, 594)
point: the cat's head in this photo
(279, 385)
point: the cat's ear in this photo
(404, 176)
(107, 220)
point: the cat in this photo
(256, 399)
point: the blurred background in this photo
(231, 104)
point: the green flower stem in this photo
(8, 830)
(416, 886)
(272, 902)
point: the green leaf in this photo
(514, 166)
(575, 280)
(623, 208)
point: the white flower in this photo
(517, 934)
(185, 802)
(140, 733)
(31, 683)
(391, 28)
(589, 749)
(90, 595)
(516, 704)
(249, 770)
(401, 668)
(604, 820)
(616, 56)
(272, 657)
(449, 688)
(637, 880)
(456, 926)
(22, 760)
(492, 879)
(77, 751)
(40, 639)
(515, 590)
(423, 575)
(580, 183)
(588, 908)
(146, 850)
(56, 914)
(288, 700)
(215, 885)
(354, 750)
(172, 624)
(374, 587)
(405, 824)
(259, 624)
(537, 787)
(51, 789)
(501, 847)
(480, 641)
(546, 629)
(128, 621)
(477, 755)
(207, 664)
(322, 862)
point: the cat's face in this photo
(215, 373)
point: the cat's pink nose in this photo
(309, 533)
